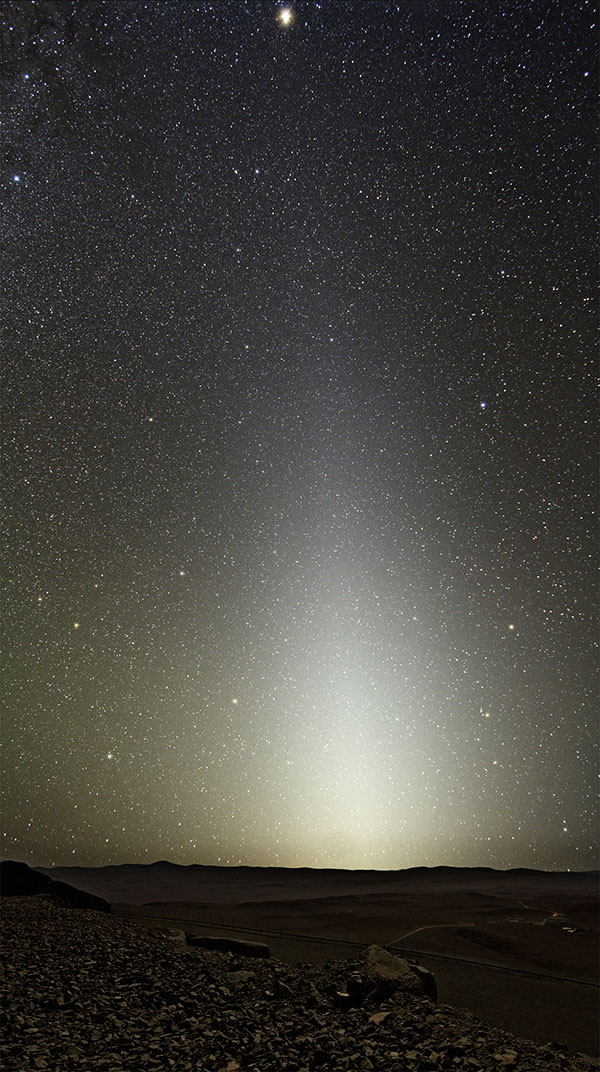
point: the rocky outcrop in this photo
(386, 973)
(94, 993)
(229, 945)
(383, 974)
(19, 880)
(173, 934)
(426, 979)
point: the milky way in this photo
(299, 433)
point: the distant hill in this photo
(209, 884)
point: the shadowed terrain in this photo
(525, 921)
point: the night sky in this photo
(299, 433)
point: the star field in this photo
(300, 433)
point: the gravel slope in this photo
(82, 991)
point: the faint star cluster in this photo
(299, 433)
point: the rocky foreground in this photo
(86, 991)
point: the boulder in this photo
(386, 973)
(506, 1058)
(229, 945)
(240, 976)
(19, 880)
(355, 988)
(172, 934)
(175, 935)
(426, 978)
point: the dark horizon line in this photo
(295, 870)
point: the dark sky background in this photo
(299, 433)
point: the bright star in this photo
(285, 16)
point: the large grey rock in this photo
(427, 980)
(386, 973)
(229, 945)
(172, 934)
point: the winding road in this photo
(429, 927)
(464, 923)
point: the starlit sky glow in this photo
(299, 433)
